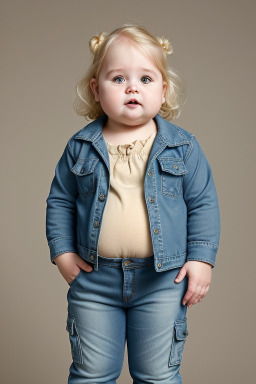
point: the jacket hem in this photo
(160, 263)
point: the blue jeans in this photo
(126, 299)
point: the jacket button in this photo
(156, 230)
(159, 265)
(185, 333)
(102, 197)
(151, 199)
(82, 170)
(96, 224)
(149, 173)
(176, 166)
(91, 257)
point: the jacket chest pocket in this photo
(172, 171)
(85, 177)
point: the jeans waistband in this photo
(126, 261)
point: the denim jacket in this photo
(179, 190)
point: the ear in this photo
(164, 91)
(95, 88)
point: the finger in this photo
(193, 300)
(203, 293)
(181, 275)
(206, 290)
(197, 295)
(190, 292)
(85, 266)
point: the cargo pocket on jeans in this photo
(74, 340)
(179, 336)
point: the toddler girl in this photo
(132, 218)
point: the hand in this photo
(199, 274)
(70, 264)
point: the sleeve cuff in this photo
(202, 251)
(61, 245)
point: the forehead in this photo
(125, 53)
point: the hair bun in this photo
(165, 43)
(96, 41)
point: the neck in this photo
(113, 131)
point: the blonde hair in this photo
(85, 103)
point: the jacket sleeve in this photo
(203, 216)
(61, 208)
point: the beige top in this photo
(125, 230)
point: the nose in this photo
(132, 89)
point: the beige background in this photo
(44, 52)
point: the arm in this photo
(203, 225)
(203, 222)
(61, 208)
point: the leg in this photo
(156, 327)
(97, 327)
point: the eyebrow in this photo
(142, 69)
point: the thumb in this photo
(181, 275)
(85, 266)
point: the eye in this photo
(116, 78)
(147, 78)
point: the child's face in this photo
(131, 78)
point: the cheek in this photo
(110, 99)
(154, 96)
(109, 95)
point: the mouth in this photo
(133, 102)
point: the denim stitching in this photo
(82, 160)
(185, 140)
(172, 158)
(134, 285)
(191, 145)
(157, 215)
(59, 238)
(120, 266)
(70, 151)
(213, 245)
(91, 191)
(200, 259)
(172, 194)
(76, 335)
(62, 251)
(180, 181)
(173, 257)
(175, 343)
(102, 154)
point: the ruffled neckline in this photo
(133, 147)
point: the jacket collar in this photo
(168, 134)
